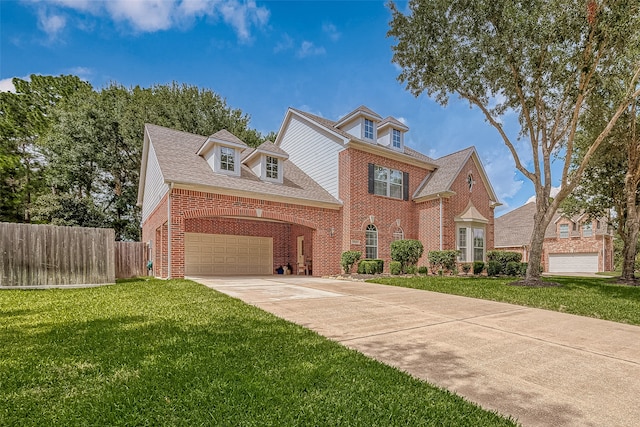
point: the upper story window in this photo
(227, 159)
(396, 139)
(388, 182)
(368, 129)
(371, 242)
(272, 170)
(587, 229)
(564, 231)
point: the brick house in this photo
(571, 244)
(214, 206)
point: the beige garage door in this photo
(220, 254)
(573, 263)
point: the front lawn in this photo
(150, 352)
(591, 297)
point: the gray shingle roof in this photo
(331, 125)
(225, 135)
(392, 121)
(179, 163)
(441, 179)
(514, 228)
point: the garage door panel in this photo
(219, 254)
(574, 262)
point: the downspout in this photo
(441, 226)
(169, 231)
(604, 252)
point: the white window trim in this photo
(560, 231)
(469, 250)
(265, 163)
(388, 182)
(587, 229)
(371, 229)
(400, 142)
(364, 129)
(398, 234)
(218, 161)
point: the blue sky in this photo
(325, 57)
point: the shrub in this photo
(349, 258)
(504, 257)
(466, 267)
(494, 268)
(395, 267)
(442, 260)
(512, 269)
(370, 266)
(478, 266)
(523, 268)
(407, 252)
(423, 270)
(411, 269)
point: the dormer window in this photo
(227, 159)
(368, 128)
(396, 141)
(272, 170)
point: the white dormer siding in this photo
(224, 159)
(364, 128)
(268, 167)
(391, 134)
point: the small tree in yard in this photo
(442, 260)
(543, 60)
(406, 252)
(349, 258)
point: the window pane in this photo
(396, 138)
(227, 160)
(371, 242)
(380, 188)
(396, 177)
(564, 230)
(272, 167)
(395, 191)
(478, 244)
(368, 128)
(587, 230)
(462, 243)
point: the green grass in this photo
(150, 352)
(592, 297)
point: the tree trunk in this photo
(630, 232)
(541, 220)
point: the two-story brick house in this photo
(571, 244)
(212, 205)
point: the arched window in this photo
(398, 234)
(371, 242)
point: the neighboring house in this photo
(571, 244)
(213, 206)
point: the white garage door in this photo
(220, 254)
(573, 263)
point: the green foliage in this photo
(523, 268)
(478, 266)
(504, 258)
(512, 268)
(395, 267)
(407, 252)
(370, 266)
(442, 260)
(348, 258)
(411, 269)
(423, 270)
(494, 268)
(171, 352)
(466, 267)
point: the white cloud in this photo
(403, 121)
(158, 15)
(553, 193)
(285, 43)
(51, 23)
(330, 30)
(6, 85)
(307, 48)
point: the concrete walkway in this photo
(541, 367)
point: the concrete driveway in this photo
(541, 367)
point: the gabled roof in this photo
(361, 110)
(268, 148)
(223, 137)
(514, 228)
(392, 121)
(330, 126)
(449, 167)
(180, 164)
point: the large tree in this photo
(94, 146)
(540, 58)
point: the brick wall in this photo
(195, 211)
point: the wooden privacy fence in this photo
(131, 259)
(37, 255)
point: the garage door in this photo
(573, 263)
(220, 254)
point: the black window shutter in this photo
(405, 185)
(371, 172)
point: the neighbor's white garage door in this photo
(220, 254)
(572, 263)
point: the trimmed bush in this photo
(407, 252)
(504, 257)
(349, 258)
(395, 267)
(466, 268)
(523, 268)
(494, 268)
(442, 260)
(513, 268)
(411, 269)
(478, 266)
(370, 266)
(423, 270)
